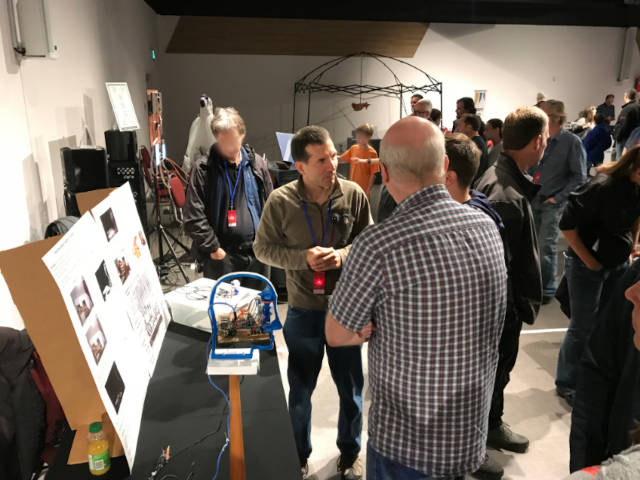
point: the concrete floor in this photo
(531, 406)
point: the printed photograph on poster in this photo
(123, 267)
(109, 224)
(97, 340)
(104, 281)
(115, 387)
(82, 301)
(136, 247)
(138, 242)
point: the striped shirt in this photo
(432, 279)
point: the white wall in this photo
(578, 65)
(46, 104)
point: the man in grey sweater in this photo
(307, 228)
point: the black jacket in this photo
(207, 199)
(628, 119)
(510, 193)
(603, 212)
(607, 399)
(484, 157)
(22, 410)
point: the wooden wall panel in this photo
(271, 36)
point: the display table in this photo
(181, 407)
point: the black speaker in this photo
(121, 146)
(85, 169)
(121, 172)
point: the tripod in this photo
(163, 233)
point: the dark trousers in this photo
(382, 468)
(304, 334)
(237, 262)
(586, 291)
(507, 355)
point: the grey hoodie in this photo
(624, 466)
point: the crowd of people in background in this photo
(462, 254)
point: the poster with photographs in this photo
(127, 254)
(106, 276)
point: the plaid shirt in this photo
(432, 278)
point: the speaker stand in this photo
(163, 235)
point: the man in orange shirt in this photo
(363, 159)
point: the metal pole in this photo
(400, 102)
(293, 121)
(309, 108)
(441, 112)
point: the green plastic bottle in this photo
(99, 459)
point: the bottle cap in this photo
(95, 427)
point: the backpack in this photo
(60, 226)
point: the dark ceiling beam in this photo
(267, 36)
(617, 13)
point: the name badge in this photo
(318, 283)
(231, 218)
(536, 179)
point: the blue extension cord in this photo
(224, 395)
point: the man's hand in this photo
(321, 259)
(550, 200)
(594, 265)
(367, 331)
(218, 254)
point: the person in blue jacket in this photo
(597, 141)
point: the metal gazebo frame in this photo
(312, 82)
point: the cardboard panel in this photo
(45, 316)
(47, 321)
(88, 200)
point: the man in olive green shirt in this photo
(307, 228)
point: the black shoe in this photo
(489, 470)
(350, 467)
(566, 394)
(502, 438)
(547, 299)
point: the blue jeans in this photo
(587, 291)
(304, 334)
(381, 468)
(619, 148)
(547, 220)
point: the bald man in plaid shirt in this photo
(428, 287)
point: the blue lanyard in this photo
(326, 227)
(226, 171)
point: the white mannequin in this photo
(200, 135)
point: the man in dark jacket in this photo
(464, 158)
(607, 109)
(510, 191)
(226, 194)
(628, 119)
(597, 141)
(470, 124)
(607, 398)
